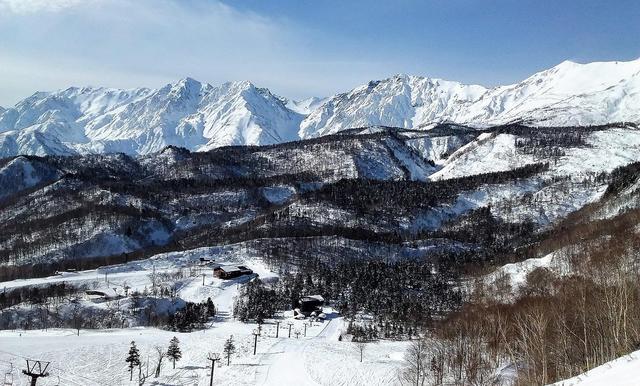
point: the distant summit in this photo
(199, 116)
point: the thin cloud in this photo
(32, 6)
(124, 43)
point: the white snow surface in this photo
(567, 94)
(490, 152)
(624, 371)
(200, 116)
(305, 106)
(186, 113)
(96, 357)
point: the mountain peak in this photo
(199, 116)
(187, 83)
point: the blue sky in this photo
(300, 48)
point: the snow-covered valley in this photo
(399, 213)
(414, 235)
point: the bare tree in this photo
(76, 314)
(360, 347)
(416, 363)
(160, 351)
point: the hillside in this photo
(456, 230)
(376, 184)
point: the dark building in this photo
(309, 304)
(231, 271)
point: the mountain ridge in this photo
(200, 116)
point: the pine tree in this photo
(211, 309)
(229, 349)
(173, 352)
(133, 359)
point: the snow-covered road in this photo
(285, 362)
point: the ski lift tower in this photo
(36, 369)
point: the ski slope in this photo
(96, 357)
(624, 371)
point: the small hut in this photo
(227, 272)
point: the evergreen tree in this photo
(229, 349)
(133, 358)
(211, 309)
(173, 352)
(255, 302)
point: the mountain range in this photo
(200, 117)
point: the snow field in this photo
(96, 357)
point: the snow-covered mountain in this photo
(400, 101)
(200, 117)
(306, 106)
(567, 94)
(187, 113)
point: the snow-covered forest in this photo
(502, 255)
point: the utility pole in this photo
(256, 333)
(36, 369)
(277, 328)
(290, 324)
(154, 278)
(213, 357)
(203, 276)
(305, 328)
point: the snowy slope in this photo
(624, 371)
(94, 356)
(492, 152)
(200, 117)
(567, 94)
(399, 101)
(305, 106)
(186, 113)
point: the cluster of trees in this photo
(362, 333)
(403, 296)
(133, 359)
(61, 305)
(553, 327)
(524, 130)
(623, 177)
(256, 302)
(193, 316)
(379, 196)
(68, 314)
(51, 293)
